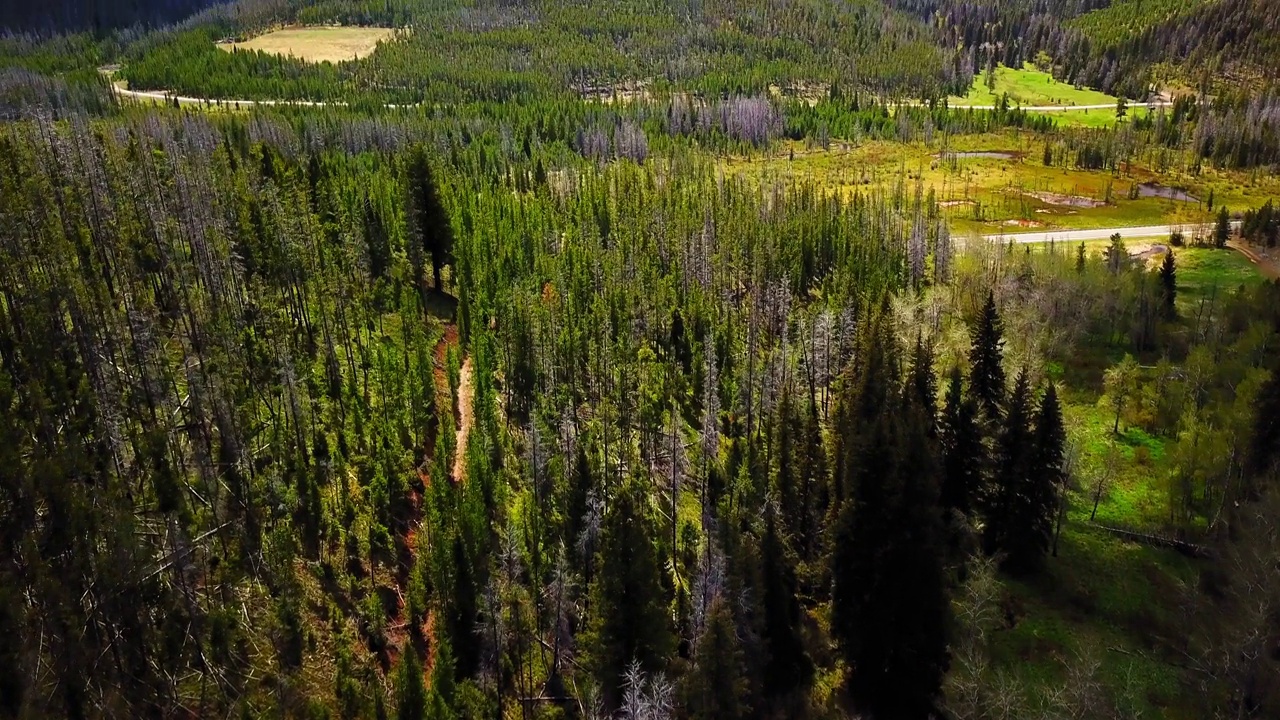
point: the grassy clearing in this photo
(1099, 118)
(1031, 88)
(1204, 273)
(1108, 601)
(317, 44)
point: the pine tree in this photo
(1222, 229)
(1036, 504)
(924, 382)
(963, 454)
(411, 691)
(1169, 285)
(1264, 446)
(428, 220)
(889, 610)
(986, 358)
(630, 621)
(717, 686)
(788, 666)
(785, 484)
(1012, 455)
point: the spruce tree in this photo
(463, 610)
(924, 382)
(1222, 229)
(814, 486)
(377, 241)
(963, 454)
(916, 605)
(1264, 446)
(1012, 455)
(788, 666)
(1169, 285)
(427, 217)
(717, 687)
(1117, 255)
(411, 691)
(630, 621)
(1037, 502)
(890, 612)
(785, 483)
(986, 358)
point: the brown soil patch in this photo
(1269, 267)
(466, 418)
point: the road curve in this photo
(157, 95)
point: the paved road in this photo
(164, 96)
(1129, 233)
(1062, 108)
(158, 95)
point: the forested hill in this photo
(94, 15)
(1120, 46)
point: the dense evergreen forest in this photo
(724, 443)
(485, 387)
(95, 15)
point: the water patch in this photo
(1147, 190)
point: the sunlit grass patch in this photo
(317, 44)
(1031, 88)
(1204, 273)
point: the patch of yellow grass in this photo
(317, 44)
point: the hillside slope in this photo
(95, 15)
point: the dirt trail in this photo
(466, 418)
(1266, 265)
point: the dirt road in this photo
(466, 418)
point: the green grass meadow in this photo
(1029, 87)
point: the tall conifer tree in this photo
(1037, 503)
(717, 687)
(630, 621)
(1169, 285)
(986, 358)
(1004, 500)
(963, 454)
(889, 603)
(428, 220)
(788, 666)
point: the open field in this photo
(1029, 87)
(1094, 117)
(317, 44)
